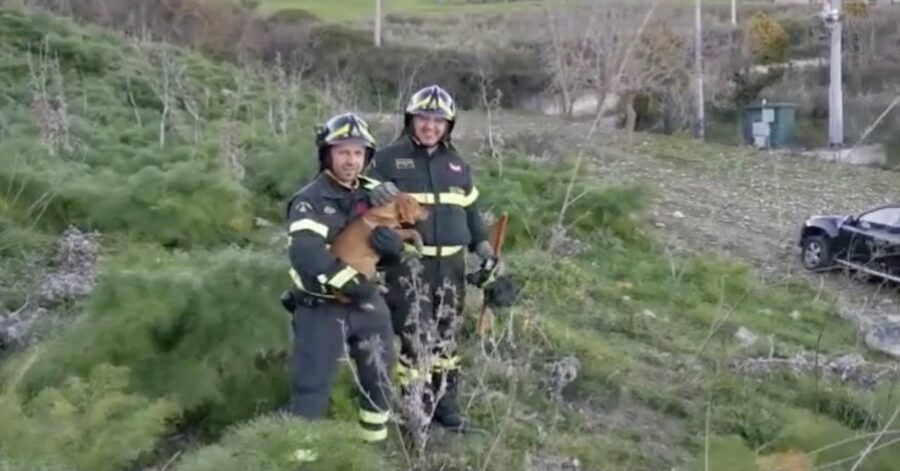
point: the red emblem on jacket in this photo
(361, 208)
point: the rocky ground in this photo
(70, 276)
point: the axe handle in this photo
(487, 315)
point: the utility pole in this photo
(700, 125)
(833, 19)
(733, 12)
(377, 23)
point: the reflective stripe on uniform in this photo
(405, 374)
(423, 198)
(447, 364)
(341, 278)
(372, 425)
(374, 418)
(373, 435)
(461, 200)
(298, 282)
(432, 251)
(309, 225)
(446, 198)
(369, 182)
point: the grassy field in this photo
(345, 10)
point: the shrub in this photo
(268, 443)
(205, 329)
(534, 193)
(768, 40)
(90, 423)
(116, 177)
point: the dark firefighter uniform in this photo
(443, 182)
(323, 326)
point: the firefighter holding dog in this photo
(323, 325)
(423, 162)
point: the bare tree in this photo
(48, 101)
(566, 56)
(186, 94)
(163, 85)
(608, 48)
(230, 151)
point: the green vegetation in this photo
(184, 336)
(361, 9)
(84, 424)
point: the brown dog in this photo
(352, 244)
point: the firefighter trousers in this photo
(322, 330)
(436, 317)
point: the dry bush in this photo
(768, 40)
(231, 32)
(618, 53)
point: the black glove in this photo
(359, 289)
(503, 292)
(386, 243)
(383, 194)
(486, 274)
(288, 301)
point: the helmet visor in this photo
(356, 141)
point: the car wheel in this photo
(816, 254)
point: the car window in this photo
(886, 216)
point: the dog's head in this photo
(409, 211)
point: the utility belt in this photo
(299, 296)
(293, 298)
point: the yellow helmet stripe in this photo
(422, 104)
(338, 133)
(365, 132)
(425, 104)
(446, 108)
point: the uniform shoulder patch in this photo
(303, 207)
(457, 168)
(403, 164)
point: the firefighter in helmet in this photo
(323, 325)
(423, 162)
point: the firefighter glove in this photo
(487, 274)
(502, 293)
(383, 194)
(386, 243)
(288, 301)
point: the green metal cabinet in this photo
(769, 125)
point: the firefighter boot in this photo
(447, 412)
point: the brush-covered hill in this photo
(141, 198)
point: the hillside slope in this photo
(622, 355)
(736, 202)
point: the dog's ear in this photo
(407, 209)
